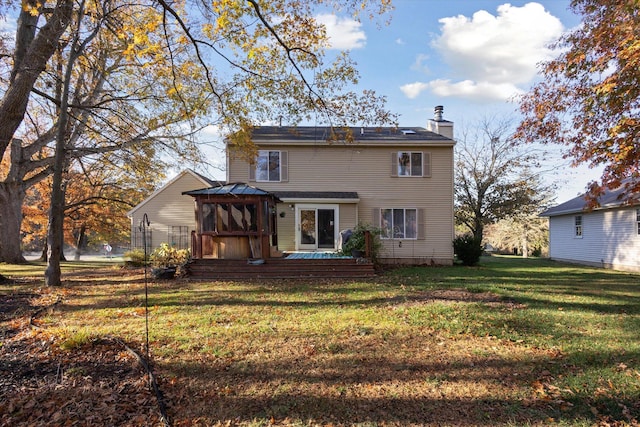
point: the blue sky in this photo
(471, 56)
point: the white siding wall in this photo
(367, 171)
(609, 239)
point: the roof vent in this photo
(408, 132)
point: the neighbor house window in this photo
(577, 221)
(268, 166)
(409, 163)
(399, 223)
(638, 221)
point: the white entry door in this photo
(316, 227)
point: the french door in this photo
(316, 227)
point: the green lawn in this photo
(510, 342)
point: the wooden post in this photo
(367, 244)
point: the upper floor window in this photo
(409, 163)
(638, 221)
(577, 222)
(270, 166)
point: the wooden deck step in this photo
(280, 268)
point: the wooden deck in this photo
(280, 268)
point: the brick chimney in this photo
(439, 125)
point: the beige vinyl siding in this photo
(348, 216)
(168, 207)
(365, 170)
(286, 227)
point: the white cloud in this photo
(400, 42)
(477, 91)
(492, 56)
(412, 90)
(467, 89)
(343, 33)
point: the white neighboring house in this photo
(607, 236)
(170, 213)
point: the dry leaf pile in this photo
(99, 383)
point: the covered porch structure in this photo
(234, 221)
(236, 237)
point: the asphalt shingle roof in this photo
(610, 199)
(316, 194)
(317, 134)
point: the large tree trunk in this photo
(478, 231)
(11, 198)
(55, 237)
(81, 241)
(53, 274)
(44, 257)
(33, 52)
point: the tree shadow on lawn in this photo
(358, 385)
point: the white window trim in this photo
(410, 175)
(405, 219)
(279, 165)
(576, 225)
(316, 206)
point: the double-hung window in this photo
(577, 222)
(410, 163)
(638, 221)
(268, 166)
(399, 223)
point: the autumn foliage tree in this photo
(98, 195)
(589, 97)
(249, 61)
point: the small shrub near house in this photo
(168, 257)
(468, 249)
(135, 258)
(357, 241)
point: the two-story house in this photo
(397, 179)
(304, 189)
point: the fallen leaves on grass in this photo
(41, 384)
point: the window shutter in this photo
(252, 171)
(426, 165)
(284, 166)
(394, 164)
(422, 224)
(375, 215)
